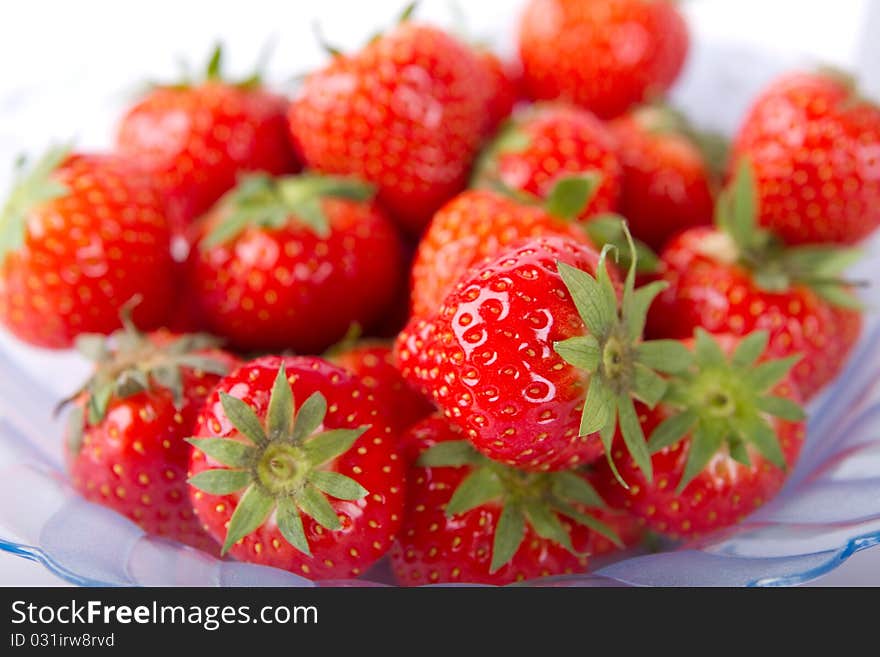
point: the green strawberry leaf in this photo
(671, 430)
(479, 487)
(668, 356)
(546, 524)
(290, 525)
(569, 486)
(782, 407)
(244, 419)
(453, 453)
(570, 195)
(582, 351)
(337, 485)
(279, 415)
(313, 503)
(310, 417)
(328, 445)
(220, 482)
(226, 451)
(252, 511)
(509, 534)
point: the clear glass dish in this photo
(829, 509)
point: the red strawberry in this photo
(318, 492)
(82, 235)
(737, 279)
(815, 148)
(292, 262)
(721, 441)
(471, 520)
(502, 85)
(371, 363)
(476, 225)
(531, 356)
(667, 183)
(196, 138)
(545, 143)
(605, 55)
(125, 442)
(407, 113)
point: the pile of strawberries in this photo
(417, 310)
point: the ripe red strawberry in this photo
(292, 262)
(667, 183)
(815, 148)
(318, 492)
(531, 356)
(471, 520)
(737, 279)
(196, 138)
(406, 113)
(545, 143)
(477, 224)
(125, 441)
(371, 363)
(82, 235)
(605, 55)
(502, 86)
(722, 440)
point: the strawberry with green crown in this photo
(538, 354)
(197, 137)
(125, 441)
(722, 440)
(472, 520)
(738, 278)
(80, 236)
(295, 467)
(290, 263)
(545, 143)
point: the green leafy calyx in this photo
(726, 401)
(775, 267)
(129, 362)
(282, 465)
(31, 189)
(538, 500)
(268, 202)
(618, 365)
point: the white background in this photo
(66, 69)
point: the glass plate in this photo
(829, 509)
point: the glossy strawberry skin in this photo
(503, 88)
(667, 186)
(724, 298)
(369, 525)
(87, 253)
(562, 140)
(605, 55)
(815, 150)
(432, 548)
(284, 288)
(372, 364)
(488, 357)
(196, 141)
(407, 114)
(473, 226)
(720, 496)
(135, 460)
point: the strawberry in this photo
(318, 489)
(274, 260)
(196, 138)
(815, 148)
(736, 278)
(372, 364)
(605, 55)
(477, 224)
(533, 358)
(126, 434)
(469, 519)
(722, 440)
(502, 86)
(667, 183)
(543, 144)
(81, 236)
(406, 113)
